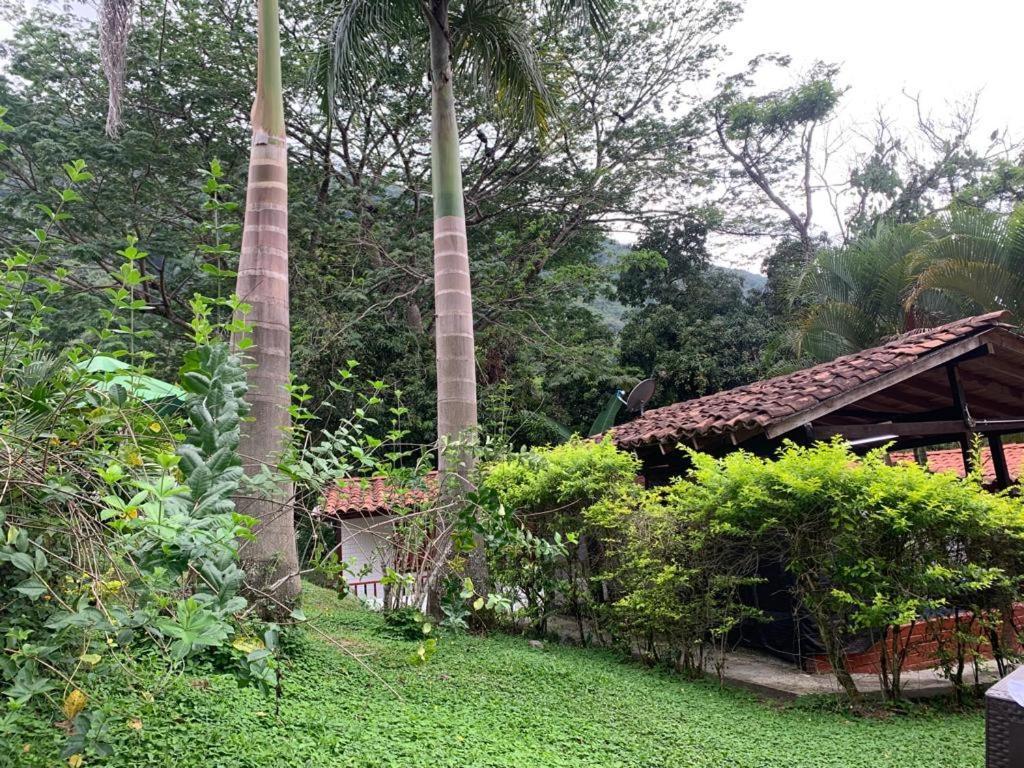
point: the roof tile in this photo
(378, 495)
(763, 403)
(952, 460)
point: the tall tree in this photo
(487, 41)
(791, 163)
(270, 559)
(690, 324)
(770, 141)
(115, 22)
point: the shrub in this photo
(870, 546)
(676, 573)
(533, 506)
(118, 528)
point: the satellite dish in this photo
(640, 396)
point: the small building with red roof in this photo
(362, 512)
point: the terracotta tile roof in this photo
(370, 496)
(756, 407)
(952, 460)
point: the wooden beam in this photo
(998, 426)
(995, 445)
(951, 429)
(876, 417)
(945, 355)
(956, 387)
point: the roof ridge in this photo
(993, 319)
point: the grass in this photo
(492, 702)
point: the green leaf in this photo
(19, 560)
(32, 588)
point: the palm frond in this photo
(491, 46)
(835, 328)
(595, 14)
(973, 263)
(359, 44)
(983, 286)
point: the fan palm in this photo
(973, 264)
(855, 296)
(488, 43)
(962, 262)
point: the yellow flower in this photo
(75, 761)
(154, 426)
(110, 587)
(74, 703)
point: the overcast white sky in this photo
(942, 49)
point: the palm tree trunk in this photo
(270, 560)
(453, 300)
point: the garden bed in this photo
(494, 701)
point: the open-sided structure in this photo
(925, 387)
(933, 386)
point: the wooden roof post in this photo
(921, 456)
(339, 536)
(995, 444)
(960, 403)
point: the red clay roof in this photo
(952, 460)
(370, 496)
(756, 407)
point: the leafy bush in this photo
(675, 574)
(530, 511)
(870, 546)
(119, 533)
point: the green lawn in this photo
(493, 702)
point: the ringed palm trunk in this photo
(270, 560)
(453, 301)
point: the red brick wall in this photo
(922, 640)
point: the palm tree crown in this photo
(490, 42)
(963, 262)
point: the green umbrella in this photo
(142, 386)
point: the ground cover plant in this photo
(483, 701)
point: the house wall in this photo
(365, 546)
(923, 640)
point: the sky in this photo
(943, 50)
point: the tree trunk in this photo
(271, 559)
(453, 302)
